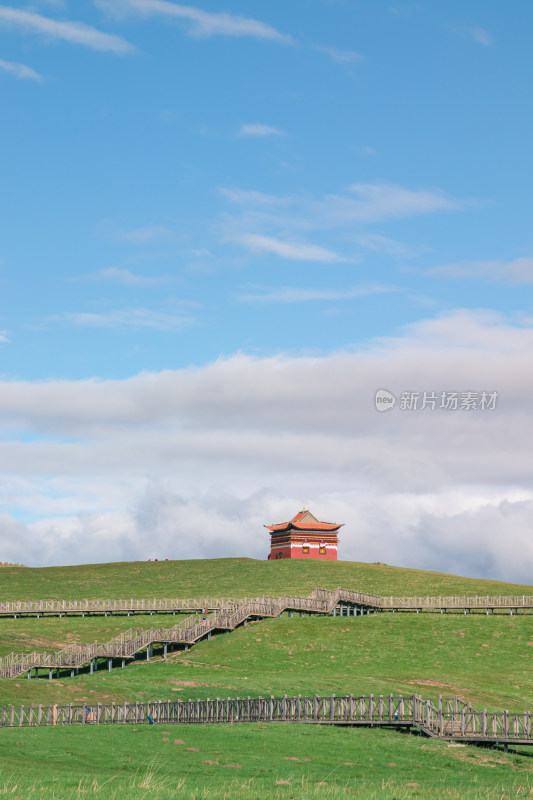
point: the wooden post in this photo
(332, 707)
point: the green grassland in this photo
(232, 577)
(485, 659)
(252, 761)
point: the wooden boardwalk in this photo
(184, 633)
(365, 601)
(228, 616)
(452, 720)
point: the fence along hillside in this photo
(227, 617)
(466, 603)
(451, 719)
(185, 633)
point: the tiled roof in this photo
(306, 521)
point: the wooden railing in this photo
(187, 632)
(103, 606)
(172, 605)
(451, 719)
(457, 602)
(229, 615)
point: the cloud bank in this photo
(190, 463)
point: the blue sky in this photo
(200, 193)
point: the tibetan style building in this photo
(304, 536)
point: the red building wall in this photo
(296, 551)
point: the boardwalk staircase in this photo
(229, 616)
(225, 615)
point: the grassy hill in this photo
(484, 659)
(233, 577)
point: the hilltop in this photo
(234, 577)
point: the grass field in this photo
(484, 659)
(252, 761)
(232, 577)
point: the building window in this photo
(305, 549)
(322, 550)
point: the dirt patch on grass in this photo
(41, 642)
(438, 685)
(199, 683)
(467, 755)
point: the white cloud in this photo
(340, 56)
(127, 318)
(274, 223)
(384, 244)
(20, 70)
(256, 129)
(288, 294)
(379, 201)
(518, 271)
(144, 235)
(127, 278)
(404, 11)
(3, 336)
(295, 251)
(252, 198)
(191, 462)
(481, 36)
(202, 23)
(473, 32)
(75, 32)
(364, 203)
